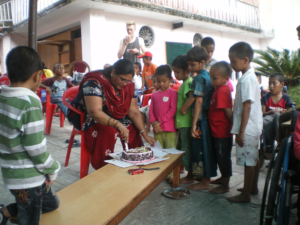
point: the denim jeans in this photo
(60, 104)
(31, 203)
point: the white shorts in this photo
(248, 155)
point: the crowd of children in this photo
(202, 112)
(199, 119)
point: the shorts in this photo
(248, 155)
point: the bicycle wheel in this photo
(266, 189)
(271, 213)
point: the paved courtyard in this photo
(201, 207)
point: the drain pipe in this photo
(32, 24)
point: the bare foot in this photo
(198, 179)
(199, 186)
(216, 181)
(170, 181)
(239, 199)
(254, 191)
(220, 189)
(187, 180)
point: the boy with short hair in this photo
(220, 120)
(184, 117)
(148, 72)
(27, 167)
(57, 85)
(204, 163)
(247, 119)
(209, 44)
(274, 103)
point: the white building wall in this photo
(113, 30)
(7, 43)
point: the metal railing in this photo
(233, 11)
(5, 12)
(20, 9)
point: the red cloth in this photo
(219, 124)
(118, 106)
(80, 67)
(297, 139)
(101, 140)
(163, 109)
(50, 81)
(284, 103)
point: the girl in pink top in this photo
(163, 110)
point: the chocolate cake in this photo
(138, 155)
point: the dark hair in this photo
(242, 50)
(164, 70)
(197, 54)
(298, 28)
(43, 65)
(277, 76)
(138, 64)
(147, 57)
(21, 63)
(56, 65)
(180, 62)
(122, 66)
(207, 41)
(224, 67)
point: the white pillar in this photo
(5, 46)
(93, 38)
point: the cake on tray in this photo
(138, 155)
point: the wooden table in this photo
(109, 194)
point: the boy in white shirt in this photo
(247, 119)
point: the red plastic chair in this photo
(79, 66)
(176, 86)
(4, 80)
(146, 98)
(50, 109)
(85, 156)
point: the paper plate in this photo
(177, 193)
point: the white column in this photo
(93, 38)
(5, 46)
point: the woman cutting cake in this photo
(110, 104)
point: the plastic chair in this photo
(4, 80)
(50, 109)
(146, 98)
(176, 86)
(85, 155)
(79, 66)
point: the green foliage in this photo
(273, 61)
(294, 94)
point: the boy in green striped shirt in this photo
(27, 167)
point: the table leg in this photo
(176, 176)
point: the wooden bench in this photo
(109, 194)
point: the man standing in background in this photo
(131, 46)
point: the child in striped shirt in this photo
(27, 167)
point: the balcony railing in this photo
(232, 11)
(20, 8)
(5, 12)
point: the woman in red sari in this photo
(110, 104)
